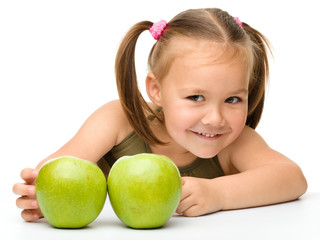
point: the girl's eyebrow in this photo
(194, 90)
(241, 91)
(203, 91)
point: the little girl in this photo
(206, 84)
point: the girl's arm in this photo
(265, 176)
(258, 176)
(102, 130)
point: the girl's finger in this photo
(24, 189)
(186, 191)
(29, 175)
(192, 211)
(27, 203)
(184, 205)
(31, 215)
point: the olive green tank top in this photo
(132, 144)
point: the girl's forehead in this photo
(188, 46)
(204, 52)
(204, 60)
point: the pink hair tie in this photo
(157, 29)
(238, 21)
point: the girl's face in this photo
(204, 100)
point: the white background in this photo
(57, 67)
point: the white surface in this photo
(293, 220)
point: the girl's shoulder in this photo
(111, 119)
(104, 129)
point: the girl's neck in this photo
(181, 159)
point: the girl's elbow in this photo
(304, 184)
(301, 183)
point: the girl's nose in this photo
(214, 117)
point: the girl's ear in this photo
(153, 89)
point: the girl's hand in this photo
(27, 190)
(199, 197)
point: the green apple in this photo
(71, 192)
(144, 189)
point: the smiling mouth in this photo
(208, 135)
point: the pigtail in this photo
(134, 106)
(259, 77)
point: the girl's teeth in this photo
(206, 134)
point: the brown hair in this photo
(204, 24)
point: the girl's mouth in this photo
(208, 135)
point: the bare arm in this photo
(265, 176)
(105, 128)
(258, 176)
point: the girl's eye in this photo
(232, 100)
(196, 98)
